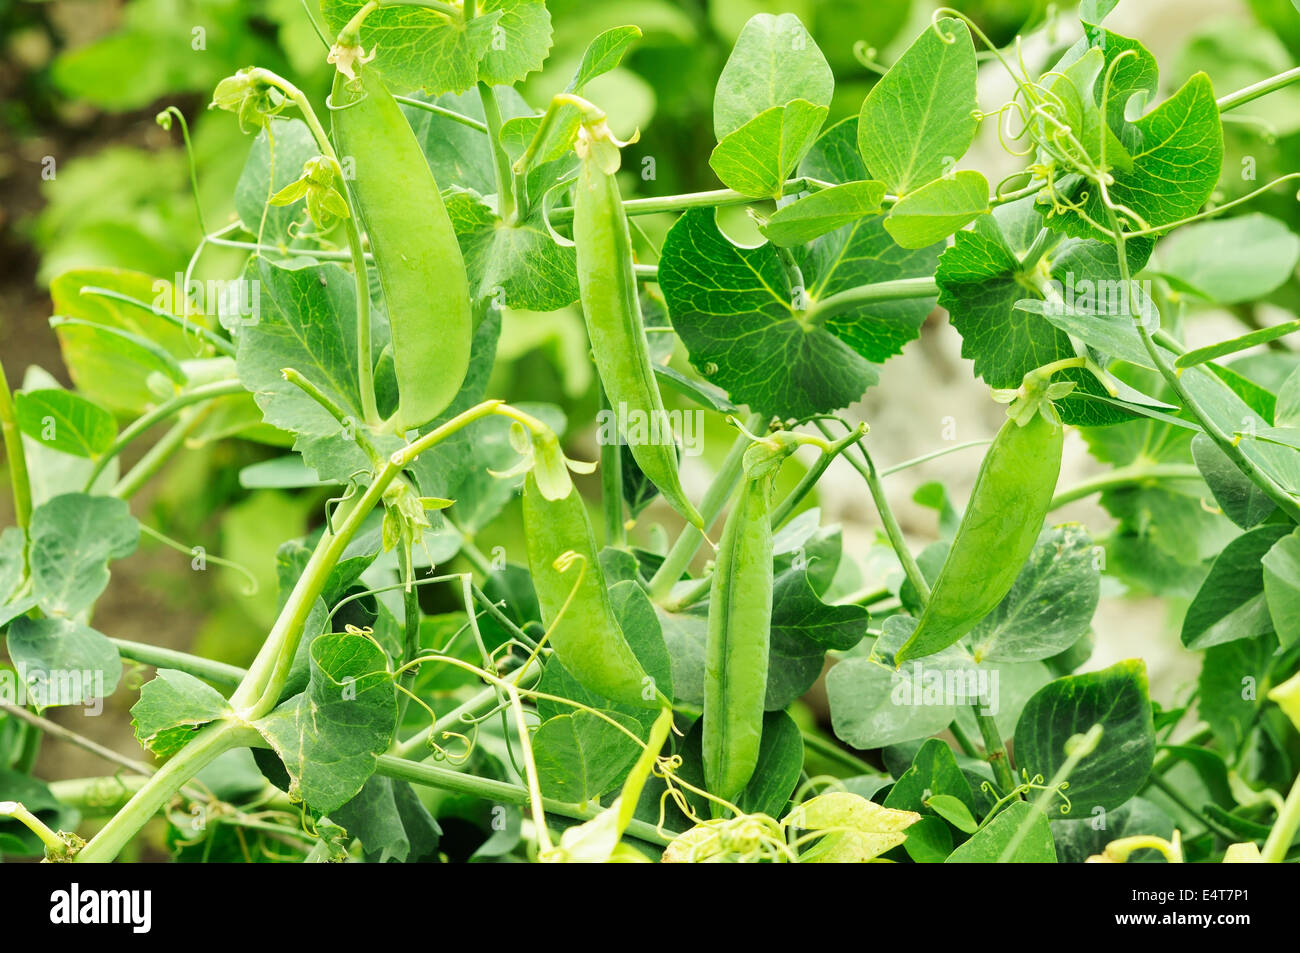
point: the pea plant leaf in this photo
(329, 736)
(63, 661)
(989, 845)
(116, 368)
(1230, 260)
(1282, 587)
(920, 118)
(1231, 603)
(756, 158)
(423, 48)
(521, 39)
(774, 62)
(817, 213)
(73, 539)
(1228, 695)
(171, 707)
(581, 756)
(983, 286)
(1241, 500)
(66, 422)
(936, 210)
(517, 266)
(933, 771)
(1115, 698)
(1078, 839)
(862, 829)
(1050, 605)
(603, 54)
(391, 822)
(73, 295)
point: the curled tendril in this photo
(866, 55)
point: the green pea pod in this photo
(421, 270)
(588, 640)
(608, 289)
(740, 619)
(1012, 494)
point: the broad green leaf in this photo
(988, 846)
(934, 771)
(1240, 498)
(774, 62)
(66, 422)
(12, 563)
(1230, 260)
(1078, 120)
(920, 118)
(1282, 587)
(284, 146)
(420, 47)
(521, 39)
(1116, 698)
(936, 210)
(756, 158)
(1231, 604)
(117, 369)
(73, 538)
(824, 211)
(983, 286)
(779, 767)
(1177, 152)
(1082, 837)
(1049, 607)
(797, 611)
(63, 661)
(581, 756)
(873, 705)
(458, 156)
(329, 736)
(862, 829)
(603, 54)
(171, 707)
(391, 822)
(1229, 696)
(70, 302)
(517, 266)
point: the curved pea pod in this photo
(587, 640)
(421, 270)
(608, 290)
(736, 657)
(1012, 494)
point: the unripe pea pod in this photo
(421, 270)
(740, 621)
(1011, 498)
(587, 640)
(608, 290)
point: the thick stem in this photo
(995, 751)
(716, 198)
(1138, 475)
(1284, 829)
(219, 673)
(209, 743)
(898, 289)
(1256, 90)
(158, 455)
(500, 161)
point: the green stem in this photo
(994, 750)
(1256, 90)
(219, 343)
(898, 289)
(963, 740)
(828, 749)
(160, 413)
(208, 744)
(786, 508)
(1133, 475)
(157, 457)
(715, 198)
(55, 846)
(1282, 835)
(444, 112)
(100, 796)
(895, 532)
(13, 441)
(500, 161)
(688, 543)
(1169, 791)
(55, 730)
(219, 673)
(503, 792)
(454, 721)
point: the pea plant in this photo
(635, 693)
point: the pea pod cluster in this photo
(421, 269)
(739, 631)
(587, 640)
(608, 290)
(1012, 495)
